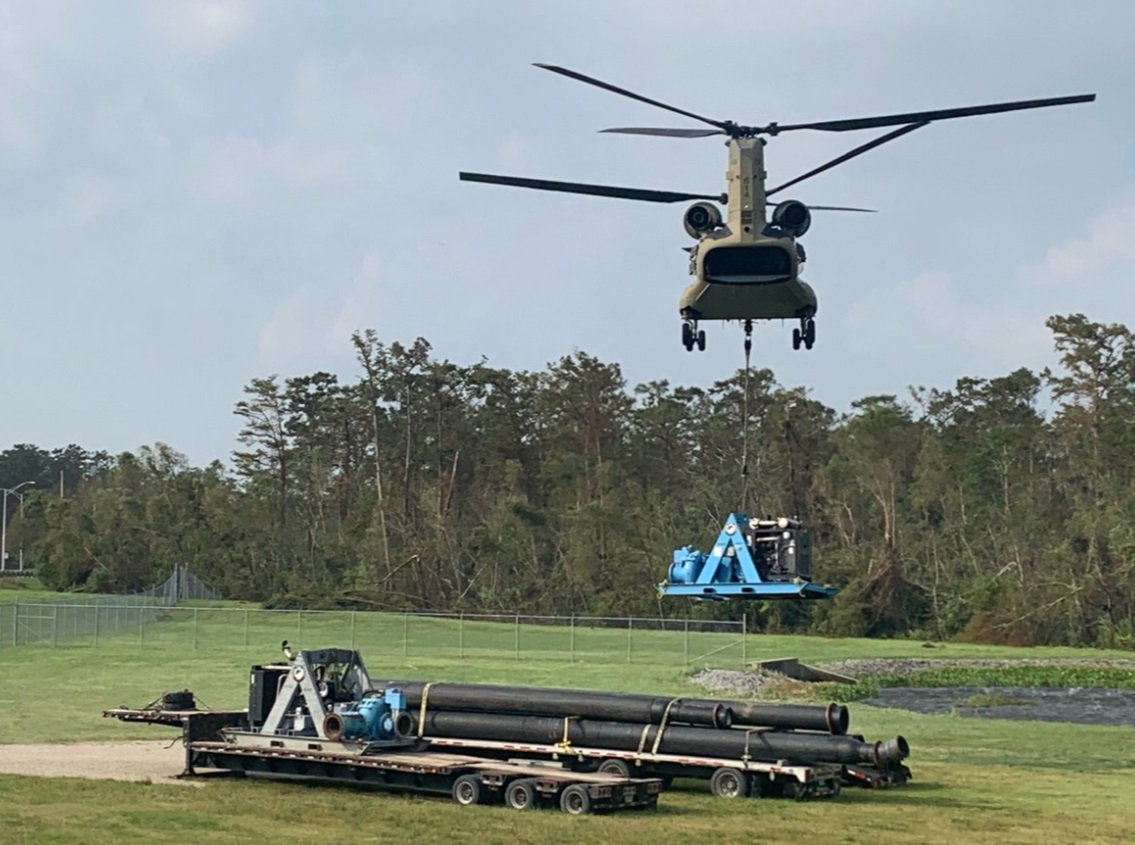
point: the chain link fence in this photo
(147, 622)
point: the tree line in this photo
(962, 513)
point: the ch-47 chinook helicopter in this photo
(746, 265)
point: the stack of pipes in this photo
(794, 733)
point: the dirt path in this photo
(156, 762)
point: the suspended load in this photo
(752, 559)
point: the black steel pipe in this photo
(832, 718)
(584, 704)
(766, 746)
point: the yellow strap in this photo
(565, 743)
(642, 740)
(422, 709)
(662, 725)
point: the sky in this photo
(196, 193)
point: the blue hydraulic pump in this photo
(376, 718)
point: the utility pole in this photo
(4, 522)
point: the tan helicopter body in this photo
(746, 265)
(742, 267)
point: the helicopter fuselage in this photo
(758, 280)
(741, 270)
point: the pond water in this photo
(1085, 705)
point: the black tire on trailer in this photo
(728, 782)
(575, 800)
(521, 794)
(614, 766)
(467, 790)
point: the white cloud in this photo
(306, 326)
(236, 169)
(200, 27)
(88, 198)
(935, 320)
(1108, 249)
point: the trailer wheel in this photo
(521, 794)
(615, 767)
(729, 783)
(467, 790)
(575, 800)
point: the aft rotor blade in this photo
(666, 133)
(571, 74)
(928, 116)
(850, 154)
(642, 194)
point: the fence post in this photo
(352, 630)
(744, 631)
(461, 636)
(405, 633)
(141, 623)
(573, 638)
(54, 625)
(195, 629)
(246, 627)
(630, 627)
(299, 627)
(16, 623)
(686, 642)
(516, 636)
(96, 626)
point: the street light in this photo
(4, 522)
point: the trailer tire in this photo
(521, 794)
(614, 766)
(467, 790)
(728, 782)
(575, 800)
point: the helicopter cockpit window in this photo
(747, 264)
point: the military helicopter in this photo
(746, 264)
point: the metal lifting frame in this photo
(729, 571)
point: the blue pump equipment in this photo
(376, 719)
(752, 559)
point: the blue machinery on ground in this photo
(752, 559)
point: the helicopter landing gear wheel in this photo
(692, 336)
(805, 335)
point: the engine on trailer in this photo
(326, 694)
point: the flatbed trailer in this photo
(214, 740)
(728, 777)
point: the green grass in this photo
(976, 781)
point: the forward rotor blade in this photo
(642, 194)
(666, 133)
(571, 74)
(835, 208)
(870, 145)
(928, 116)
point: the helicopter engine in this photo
(792, 217)
(701, 217)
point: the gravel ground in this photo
(731, 682)
(155, 762)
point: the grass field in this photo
(976, 781)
